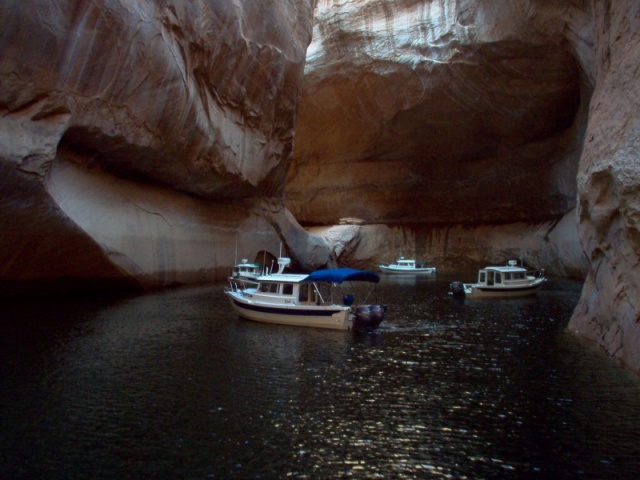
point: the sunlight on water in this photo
(174, 385)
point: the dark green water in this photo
(174, 385)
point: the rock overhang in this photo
(439, 103)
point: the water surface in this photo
(174, 385)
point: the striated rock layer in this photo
(137, 138)
(609, 188)
(471, 110)
(460, 249)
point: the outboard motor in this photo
(377, 314)
(369, 316)
(457, 288)
(363, 314)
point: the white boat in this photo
(403, 265)
(501, 281)
(246, 273)
(306, 299)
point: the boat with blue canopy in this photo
(309, 299)
(340, 275)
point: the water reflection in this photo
(174, 385)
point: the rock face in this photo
(470, 109)
(460, 249)
(136, 138)
(609, 188)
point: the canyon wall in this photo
(138, 139)
(480, 129)
(439, 112)
(460, 249)
(609, 188)
(460, 117)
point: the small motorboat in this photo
(501, 281)
(245, 273)
(307, 299)
(403, 265)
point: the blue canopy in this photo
(339, 275)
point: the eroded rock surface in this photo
(137, 137)
(458, 248)
(609, 188)
(439, 112)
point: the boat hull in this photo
(410, 271)
(333, 317)
(474, 291)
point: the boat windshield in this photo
(268, 287)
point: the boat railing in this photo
(237, 288)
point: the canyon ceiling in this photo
(145, 143)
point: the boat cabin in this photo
(406, 263)
(245, 269)
(507, 275)
(290, 290)
(410, 264)
(492, 277)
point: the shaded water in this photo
(174, 385)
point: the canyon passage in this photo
(142, 145)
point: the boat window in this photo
(269, 287)
(307, 294)
(324, 292)
(498, 277)
(287, 289)
(482, 278)
(313, 295)
(507, 276)
(303, 294)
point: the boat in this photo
(403, 265)
(501, 281)
(246, 273)
(307, 299)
